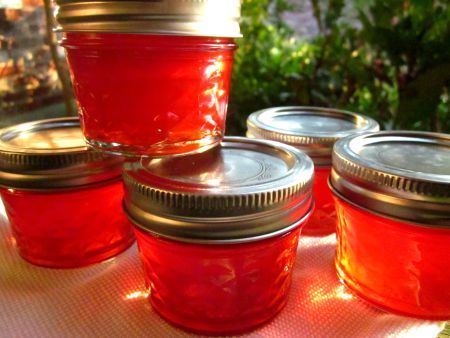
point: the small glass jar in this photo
(51, 186)
(392, 194)
(313, 130)
(218, 231)
(155, 86)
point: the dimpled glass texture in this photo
(218, 289)
(323, 220)
(399, 267)
(141, 94)
(68, 228)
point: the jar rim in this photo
(226, 239)
(110, 40)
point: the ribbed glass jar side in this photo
(66, 228)
(218, 289)
(323, 220)
(395, 265)
(156, 95)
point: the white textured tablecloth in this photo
(109, 300)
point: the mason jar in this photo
(218, 231)
(392, 194)
(313, 130)
(62, 200)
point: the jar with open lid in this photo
(52, 186)
(313, 130)
(392, 194)
(218, 231)
(151, 77)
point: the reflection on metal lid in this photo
(311, 129)
(215, 18)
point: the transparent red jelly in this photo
(68, 228)
(155, 95)
(218, 289)
(400, 267)
(323, 220)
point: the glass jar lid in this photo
(311, 129)
(51, 153)
(239, 191)
(401, 174)
(214, 18)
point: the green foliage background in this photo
(395, 67)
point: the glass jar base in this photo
(157, 150)
(221, 329)
(362, 292)
(77, 262)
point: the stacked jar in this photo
(313, 130)
(151, 77)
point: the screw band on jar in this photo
(263, 228)
(214, 18)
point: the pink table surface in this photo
(109, 300)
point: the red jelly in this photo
(392, 193)
(151, 78)
(323, 220)
(314, 131)
(149, 94)
(218, 231)
(52, 187)
(219, 289)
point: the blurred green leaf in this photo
(393, 66)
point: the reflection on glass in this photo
(137, 295)
(320, 295)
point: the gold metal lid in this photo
(400, 174)
(214, 18)
(51, 153)
(240, 191)
(313, 130)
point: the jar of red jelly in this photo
(151, 77)
(218, 231)
(392, 194)
(313, 130)
(63, 201)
